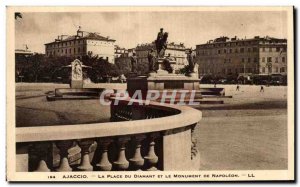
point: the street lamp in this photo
(269, 65)
(244, 72)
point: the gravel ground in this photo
(248, 132)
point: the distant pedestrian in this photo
(262, 88)
(215, 85)
(237, 87)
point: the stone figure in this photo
(166, 64)
(191, 61)
(152, 61)
(76, 70)
(161, 43)
(133, 61)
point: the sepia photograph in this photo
(150, 94)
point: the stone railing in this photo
(140, 137)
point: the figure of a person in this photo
(160, 34)
(262, 88)
(152, 61)
(77, 71)
(166, 64)
(163, 45)
(237, 87)
(133, 61)
(191, 62)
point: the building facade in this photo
(81, 44)
(224, 56)
(176, 51)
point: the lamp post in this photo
(244, 72)
(269, 65)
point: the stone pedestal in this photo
(76, 84)
(164, 83)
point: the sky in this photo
(132, 28)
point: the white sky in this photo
(132, 28)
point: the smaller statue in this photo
(166, 64)
(152, 61)
(133, 61)
(77, 71)
(191, 61)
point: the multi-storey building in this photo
(224, 56)
(81, 44)
(176, 51)
(120, 52)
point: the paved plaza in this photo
(248, 132)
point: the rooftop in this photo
(225, 39)
(82, 35)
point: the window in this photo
(276, 59)
(263, 69)
(263, 59)
(236, 50)
(242, 50)
(249, 49)
(225, 60)
(277, 49)
(254, 49)
(229, 60)
(243, 60)
(254, 60)
(74, 50)
(219, 51)
(249, 60)
(70, 51)
(78, 49)
(269, 59)
(282, 70)
(283, 59)
(225, 50)
(230, 50)
(263, 49)
(66, 51)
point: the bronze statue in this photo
(152, 61)
(161, 43)
(133, 61)
(191, 61)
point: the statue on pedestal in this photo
(152, 61)
(191, 61)
(133, 61)
(161, 43)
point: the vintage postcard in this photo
(150, 94)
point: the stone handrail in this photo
(152, 128)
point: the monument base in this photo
(165, 83)
(76, 84)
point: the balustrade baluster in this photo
(122, 163)
(104, 164)
(63, 147)
(151, 158)
(85, 164)
(137, 160)
(42, 151)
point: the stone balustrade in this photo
(139, 137)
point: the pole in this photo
(244, 72)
